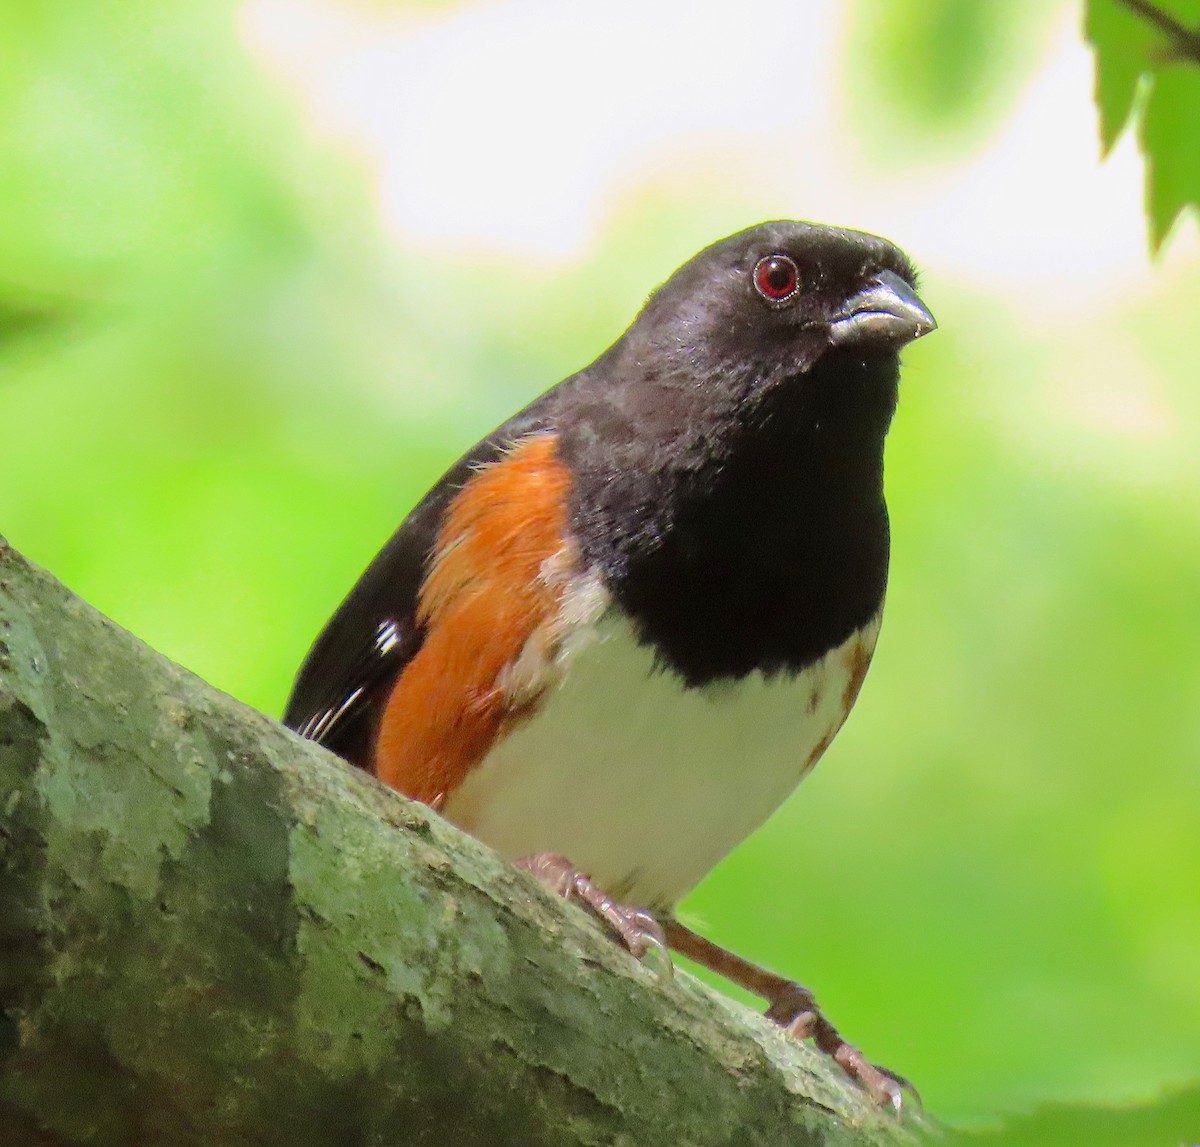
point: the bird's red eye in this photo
(776, 278)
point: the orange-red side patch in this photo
(484, 596)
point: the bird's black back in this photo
(345, 678)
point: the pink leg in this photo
(792, 1007)
(638, 930)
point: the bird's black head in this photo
(784, 321)
(767, 303)
(792, 326)
(727, 451)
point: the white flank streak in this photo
(642, 784)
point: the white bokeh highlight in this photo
(515, 126)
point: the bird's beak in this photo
(886, 315)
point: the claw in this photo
(645, 941)
(802, 1026)
(878, 1082)
(793, 1007)
(639, 931)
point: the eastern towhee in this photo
(616, 634)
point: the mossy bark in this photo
(213, 932)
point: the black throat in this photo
(761, 542)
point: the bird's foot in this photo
(793, 1007)
(639, 931)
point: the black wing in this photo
(345, 680)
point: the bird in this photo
(617, 633)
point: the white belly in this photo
(644, 785)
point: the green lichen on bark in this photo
(212, 932)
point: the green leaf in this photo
(1170, 138)
(930, 74)
(1172, 1119)
(1133, 54)
(1122, 43)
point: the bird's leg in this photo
(640, 932)
(792, 1007)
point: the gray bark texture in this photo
(215, 933)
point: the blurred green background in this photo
(266, 269)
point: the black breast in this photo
(757, 542)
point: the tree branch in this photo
(1184, 40)
(212, 932)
